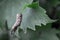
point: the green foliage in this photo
(10, 8)
(34, 16)
(42, 33)
(33, 5)
(34, 22)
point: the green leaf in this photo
(31, 16)
(34, 16)
(9, 9)
(40, 34)
(33, 5)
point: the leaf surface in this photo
(9, 9)
(34, 16)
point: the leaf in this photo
(31, 17)
(33, 5)
(34, 16)
(40, 34)
(9, 9)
